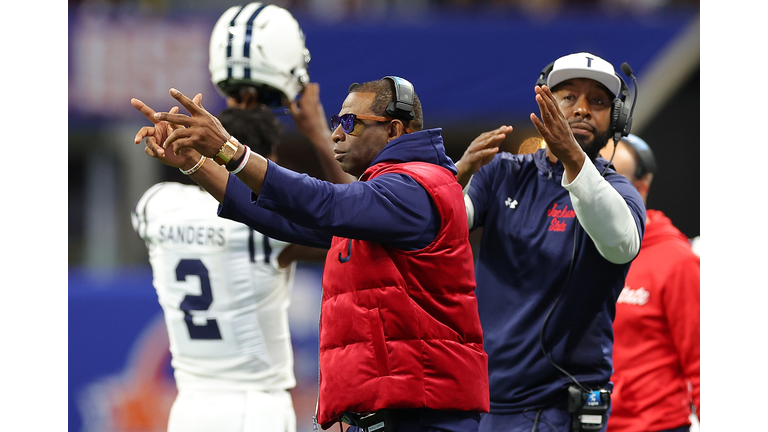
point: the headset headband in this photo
(402, 107)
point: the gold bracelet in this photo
(227, 151)
(194, 168)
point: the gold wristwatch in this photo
(226, 152)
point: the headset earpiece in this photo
(621, 119)
(544, 74)
(616, 109)
(402, 106)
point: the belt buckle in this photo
(368, 422)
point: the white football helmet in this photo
(262, 46)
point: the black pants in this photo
(428, 420)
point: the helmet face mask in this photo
(259, 46)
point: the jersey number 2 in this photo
(195, 267)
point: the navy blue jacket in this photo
(391, 209)
(522, 267)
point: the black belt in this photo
(376, 421)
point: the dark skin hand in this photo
(480, 152)
(556, 131)
(156, 136)
(204, 133)
(201, 131)
(211, 177)
(309, 114)
(553, 127)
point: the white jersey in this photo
(224, 297)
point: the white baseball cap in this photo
(584, 65)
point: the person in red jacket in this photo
(656, 330)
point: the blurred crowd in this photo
(340, 9)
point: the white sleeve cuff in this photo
(470, 208)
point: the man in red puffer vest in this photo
(401, 345)
(429, 353)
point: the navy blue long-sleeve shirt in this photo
(391, 209)
(522, 272)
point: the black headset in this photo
(402, 106)
(621, 112)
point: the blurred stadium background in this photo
(473, 64)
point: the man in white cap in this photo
(560, 228)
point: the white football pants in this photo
(232, 411)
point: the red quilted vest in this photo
(400, 329)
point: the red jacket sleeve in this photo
(681, 303)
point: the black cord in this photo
(557, 300)
(615, 144)
(536, 420)
(565, 286)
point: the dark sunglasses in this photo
(347, 121)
